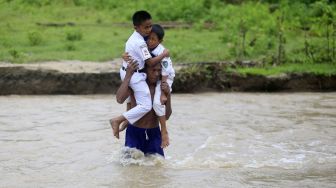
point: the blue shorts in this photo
(146, 140)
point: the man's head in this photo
(153, 73)
(142, 22)
(155, 37)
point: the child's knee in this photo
(159, 109)
(147, 106)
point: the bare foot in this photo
(163, 99)
(115, 127)
(165, 139)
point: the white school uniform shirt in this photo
(137, 48)
(166, 63)
(167, 70)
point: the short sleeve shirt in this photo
(166, 63)
(137, 48)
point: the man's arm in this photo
(123, 91)
(166, 89)
(154, 60)
(168, 107)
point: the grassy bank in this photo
(272, 32)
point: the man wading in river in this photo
(144, 134)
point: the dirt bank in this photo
(74, 77)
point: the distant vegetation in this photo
(270, 32)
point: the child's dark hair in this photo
(158, 30)
(140, 16)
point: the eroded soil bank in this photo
(103, 78)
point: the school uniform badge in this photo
(145, 51)
(165, 64)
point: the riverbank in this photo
(76, 77)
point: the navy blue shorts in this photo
(146, 140)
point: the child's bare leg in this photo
(123, 126)
(164, 132)
(115, 122)
(125, 123)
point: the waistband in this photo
(143, 129)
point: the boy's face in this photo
(153, 41)
(144, 28)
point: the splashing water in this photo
(133, 156)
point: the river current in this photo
(216, 140)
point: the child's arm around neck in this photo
(154, 60)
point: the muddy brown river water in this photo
(217, 140)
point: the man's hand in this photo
(165, 88)
(131, 67)
(164, 139)
(126, 57)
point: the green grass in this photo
(99, 41)
(95, 37)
